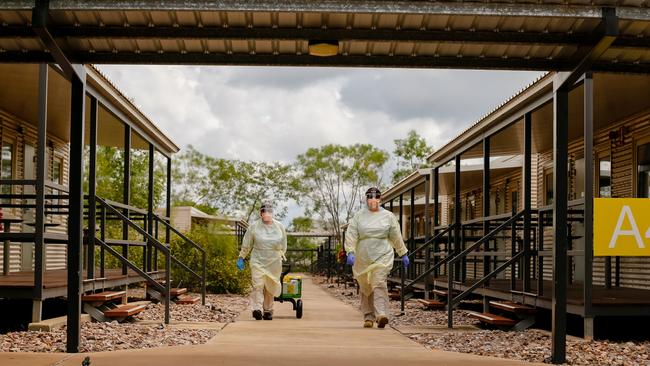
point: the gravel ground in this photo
(532, 345)
(218, 308)
(96, 337)
(116, 336)
(414, 315)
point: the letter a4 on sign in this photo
(622, 227)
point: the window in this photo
(57, 165)
(548, 188)
(514, 196)
(643, 170)
(6, 167)
(604, 177)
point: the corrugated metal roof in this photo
(540, 35)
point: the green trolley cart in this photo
(291, 290)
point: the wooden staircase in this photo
(110, 305)
(177, 294)
(512, 315)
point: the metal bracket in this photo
(40, 21)
(608, 30)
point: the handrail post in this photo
(203, 289)
(168, 267)
(450, 297)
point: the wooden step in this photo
(103, 296)
(431, 304)
(124, 311)
(513, 307)
(394, 295)
(173, 292)
(440, 292)
(493, 319)
(188, 299)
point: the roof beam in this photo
(421, 62)
(608, 31)
(40, 15)
(292, 34)
(306, 34)
(357, 6)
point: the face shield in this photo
(373, 197)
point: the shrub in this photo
(222, 275)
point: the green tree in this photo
(411, 154)
(233, 187)
(334, 178)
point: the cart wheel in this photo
(299, 309)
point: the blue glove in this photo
(240, 263)
(350, 260)
(405, 260)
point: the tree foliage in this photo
(232, 187)
(334, 178)
(411, 154)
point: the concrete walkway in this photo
(329, 333)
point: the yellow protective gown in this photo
(371, 237)
(268, 244)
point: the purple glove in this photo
(350, 260)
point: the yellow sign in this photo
(622, 227)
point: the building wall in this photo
(635, 271)
(21, 133)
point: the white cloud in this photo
(274, 114)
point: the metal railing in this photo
(186, 240)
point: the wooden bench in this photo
(124, 311)
(513, 307)
(493, 319)
(103, 296)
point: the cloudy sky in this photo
(274, 114)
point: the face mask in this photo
(267, 215)
(373, 204)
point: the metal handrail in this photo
(175, 231)
(130, 264)
(431, 269)
(487, 237)
(196, 246)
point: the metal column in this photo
(92, 189)
(411, 270)
(560, 203)
(150, 208)
(126, 196)
(75, 219)
(436, 218)
(528, 124)
(39, 242)
(486, 211)
(589, 202)
(427, 235)
(457, 218)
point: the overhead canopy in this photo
(517, 34)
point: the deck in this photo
(615, 301)
(21, 284)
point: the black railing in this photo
(186, 240)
